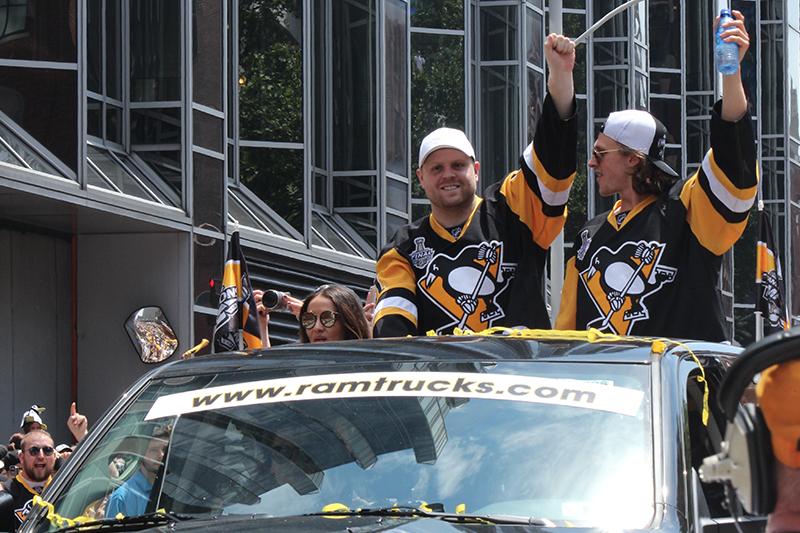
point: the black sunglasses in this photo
(600, 154)
(34, 450)
(309, 319)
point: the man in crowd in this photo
(778, 393)
(478, 262)
(37, 461)
(650, 265)
(132, 497)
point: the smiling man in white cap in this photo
(477, 262)
(650, 265)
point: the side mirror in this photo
(151, 334)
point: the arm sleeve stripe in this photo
(550, 186)
(397, 304)
(699, 187)
(712, 230)
(737, 200)
(567, 310)
(530, 208)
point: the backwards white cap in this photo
(641, 131)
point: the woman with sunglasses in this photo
(333, 313)
(330, 313)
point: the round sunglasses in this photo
(309, 319)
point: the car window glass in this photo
(573, 463)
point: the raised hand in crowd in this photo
(77, 423)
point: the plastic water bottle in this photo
(726, 54)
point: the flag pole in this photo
(759, 317)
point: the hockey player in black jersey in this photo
(650, 265)
(478, 262)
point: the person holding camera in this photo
(331, 313)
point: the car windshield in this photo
(569, 442)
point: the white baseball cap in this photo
(640, 131)
(444, 138)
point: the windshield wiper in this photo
(129, 523)
(414, 512)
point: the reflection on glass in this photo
(327, 235)
(668, 111)
(354, 86)
(38, 30)
(271, 70)
(617, 26)
(396, 194)
(611, 53)
(94, 45)
(207, 53)
(18, 152)
(114, 124)
(665, 34)
(208, 187)
(42, 102)
(276, 177)
(167, 164)
(611, 91)
(116, 173)
(113, 48)
(793, 68)
(594, 469)
(499, 33)
(208, 131)
(320, 72)
(500, 143)
(437, 85)
(155, 54)
(535, 42)
(577, 205)
(698, 139)
(396, 52)
(772, 72)
(156, 126)
(699, 63)
(447, 14)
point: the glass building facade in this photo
(297, 122)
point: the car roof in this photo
(547, 346)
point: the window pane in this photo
(772, 71)
(167, 164)
(793, 68)
(321, 190)
(114, 124)
(611, 53)
(155, 33)
(437, 85)
(271, 70)
(669, 113)
(611, 91)
(116, 173)
(21, 150)
(665, 34)
(665, 82)
(699, 38)
(535, 33)
(207, 187)
(396, 51)
(94, 118)
(208, 131)
(617, 26)
(358, 191)
(447, 14)
(394, 223)
(498, 33)
(397, 195)
(773, 179)
(207, 53)
(113, 49)
(698, 140)
(500, 144)
(42, 102)
(795, 244)
(38, 30)
(276, 177)
(94, 45)
(156, 126)
(578, 203)
(795, 188)
(535, 99)
(320, 70)
(354, 86)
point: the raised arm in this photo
(560, 54)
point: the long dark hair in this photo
(648, 178)
(347, 305)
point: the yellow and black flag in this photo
(769, 279)
(237, 306)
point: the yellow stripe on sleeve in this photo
(528, 207)
(713, 232)
(569, 298)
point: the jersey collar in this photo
(443, 232)
(612, 219)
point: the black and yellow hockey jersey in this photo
(656, 274)
(22, 497)
(491, 274)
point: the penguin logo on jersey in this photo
(23, 511)
(619, 281)
(466, 287)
